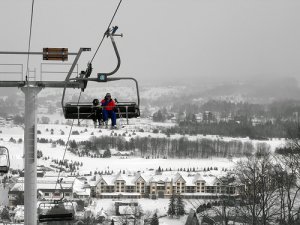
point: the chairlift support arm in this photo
(117, 53)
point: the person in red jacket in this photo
(108, 110)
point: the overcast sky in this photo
(165, 41)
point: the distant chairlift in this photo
(4, 154)
(87, 110)
(56, 210)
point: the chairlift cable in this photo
(67, 143)
(29, 40)
(106, 30)
(66, 146)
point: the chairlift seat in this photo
(56, 217)
(4, 169)
(72, 110)
(52, 211)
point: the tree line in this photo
(162, 147)
(276, 109)
(233, 129)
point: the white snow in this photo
(114, 163)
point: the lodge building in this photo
(129, 186)
(160, 186)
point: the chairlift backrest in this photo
(4, 154)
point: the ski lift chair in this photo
(57, 210)
(86, 110)
(4, 152)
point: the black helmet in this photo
(96, 102)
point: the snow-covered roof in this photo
(83, 193)
(160, 178)
(50, 179)
(198, 177)
(111, 179)
(177, 177)
(190, 179)
(211, 180)
(79, 188)
(108, 179)
(19, 187)
(53, 186)
(45, 183)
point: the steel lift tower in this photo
(31, 90)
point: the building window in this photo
(56, 194)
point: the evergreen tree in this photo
(107, 154)
(73, 144)
(154, 220)
(5, 214)
(159, 169)
(159, 116)
(179, 206)
(19, 200)
(171, 210)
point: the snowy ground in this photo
(114, 163)
(170, 221)
(149, 206)
(131, 164)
